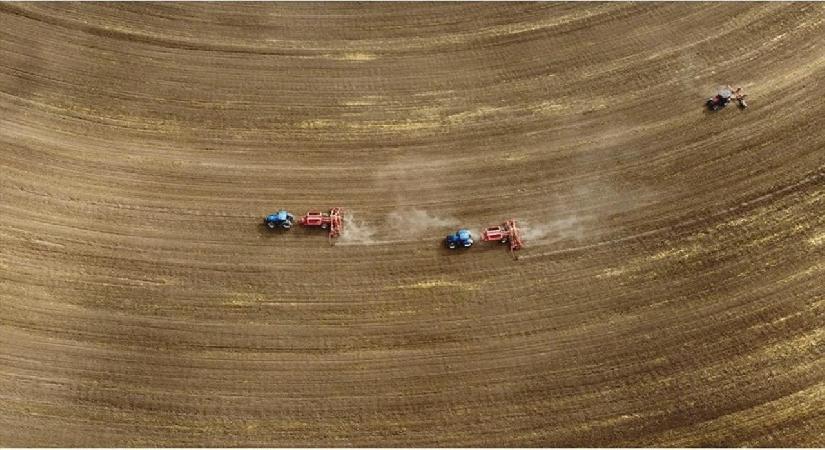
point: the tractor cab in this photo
(281, 219)
(725, 94)
(461, 238)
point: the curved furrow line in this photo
(669, 292)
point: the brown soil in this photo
(671, 292)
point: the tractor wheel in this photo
(286, 225)
(451, 245)
(270, 225)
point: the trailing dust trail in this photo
(357, 232)
(415, 222)
(553, 231)
(401, 225)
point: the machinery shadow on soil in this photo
(478, 247)
(296, 232)
(276, 233)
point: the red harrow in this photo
(333, 221)
(505, 233)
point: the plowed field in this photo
(672, 291)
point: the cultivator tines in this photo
(516, 243)
(506, 233)
(336, 222)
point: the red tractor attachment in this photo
(333, 221)
(505, 233)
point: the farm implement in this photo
(333, 221)
(506, 233)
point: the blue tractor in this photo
(280, 219)
(459, 239)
